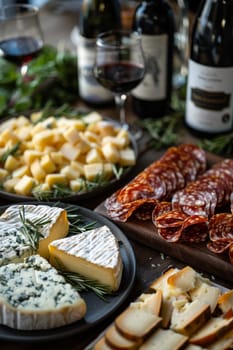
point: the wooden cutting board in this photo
(195, 255)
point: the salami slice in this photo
(158, 182)
(221, 234)
(210, 191)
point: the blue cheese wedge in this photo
(14, 245)
(93, 254)
(34, 296)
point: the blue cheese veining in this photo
(14, 246)
(34, 296)
(94, 254)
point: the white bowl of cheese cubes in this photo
(62, 157)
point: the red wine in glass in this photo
(20, 50)
(21, 37)
(119, 66)
(119, 77)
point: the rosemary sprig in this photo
(221, 145)
(31, 229)
(81, 283)
(76, 222)
(10, 151)
(163, 131)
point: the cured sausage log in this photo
(158, 182)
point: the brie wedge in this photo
(14, 245)
(93, 254)
(34, 296)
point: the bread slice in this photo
(152, 301)
(116, 340)
(129, 325)
(164, 339)
(225, 301)
(102, 345)
(207, 294)
(182, 281)
(161, 282)
(190, 317)
(212, 330)
(223, 343)
(193, 347)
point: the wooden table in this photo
(150, 263)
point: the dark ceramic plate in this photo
(97, 309)
(76, 197)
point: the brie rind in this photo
(93, 254)
(34, 296)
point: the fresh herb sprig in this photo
(164, 131)
(221, 145)
(52, 69)
(81, 283)
(11, 151)
(76, 222)
(32, 229)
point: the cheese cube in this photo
(77, 185)
(24, 133)
(110, 152)
(37, 129)
(127, 157)
(37, 171)
(94, 156)
(72, 135)
(10, 184)
(11, 163)
(47, 164)
(69, 172)
(92, 117)
(91, 137)
(36, 116)
(57, 158)
(24, 185)
(69, 151)
(20, 172)
(78, 166)
(92, 171)
(118, 142)
(3, 173)
(22, 121)
(83, 146)
(55, 179)
(30, 155)
(8, 136)
(108, 170)
(43, 139)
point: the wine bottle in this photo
(96, 16)
(209, 105)
(154, 19)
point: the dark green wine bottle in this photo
(96, 16)
(209, 107)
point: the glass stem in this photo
(120, 103)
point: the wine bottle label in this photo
(154, 85)
(209, 106)
(89, 89)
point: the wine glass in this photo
(120, 66)
(21, 37)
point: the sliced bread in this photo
(190, 317)
(129, 325)
(117, 341)
(164, 339)
(212, 330)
